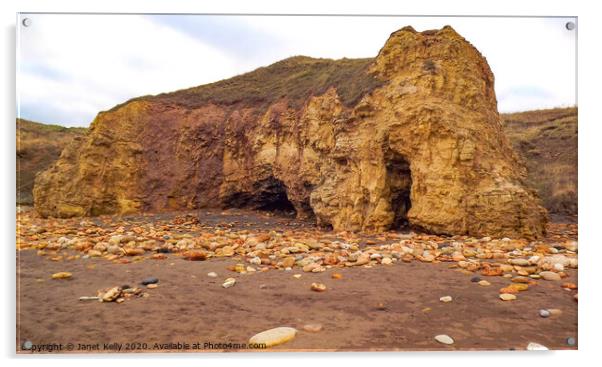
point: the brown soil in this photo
(379, 308)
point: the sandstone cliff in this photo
(412, 135)
(38, 146)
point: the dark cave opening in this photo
(272, 196)
(399, 180)
(266, 195)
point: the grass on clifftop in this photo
(296, 78)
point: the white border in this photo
(589, 94)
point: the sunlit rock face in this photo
(411, 137)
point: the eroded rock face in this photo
(420, 142)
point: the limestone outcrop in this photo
(411, 136)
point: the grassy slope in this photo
(547, 141)
(296, 79)
(38, 145)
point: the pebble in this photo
(484, 283)
(111, 295)
(195, 255)
(570, 286)
(536, 346)
(86, 298)
(297, 276)
(549, 275)
(62, 275)
(571, 341)
(318, 287)
(558, 267)
(445, 299)
(544, 313)
(229, 282)
(288, 262)
(149, 280)
(152, 286)
(475, 279)
(444, 339)
(312, 328)
(519, 262)
(507, 297)
(521, 279)
(337, 276)
(227, 251)
(386, 261)
(212, 274)
(274, 336)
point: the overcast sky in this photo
(70, 67)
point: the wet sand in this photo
(388, 307)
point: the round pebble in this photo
(274, 336)
(544, 313)
(212, 274)
(445, 299)
(549, 275)
(444, 339)
(475, 279)
(318, 287)
(536, 346)
(229, 282)
(312, 328)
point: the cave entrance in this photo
(268, 195)
(399, 181)
(272, 197)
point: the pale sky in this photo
(70, 67)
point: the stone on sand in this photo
(312, 328)
(318, 287)
(549, 275)
(149, 280)
(62, 275)
(229, 282)
(536, 346)
(444, 339)
(274, 336)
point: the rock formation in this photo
(365, 145)
(38, 146)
